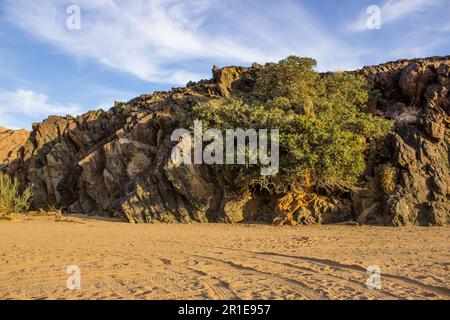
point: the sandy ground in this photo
(123, 261)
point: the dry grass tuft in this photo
(11, 199)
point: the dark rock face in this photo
(118, 162)
(407, 179)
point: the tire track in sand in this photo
(355, 285)
(220, 289)
(295, 285)
(355, 268)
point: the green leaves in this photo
(323, 122)
(292, 82)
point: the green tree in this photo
(291, 83)
(323, 121)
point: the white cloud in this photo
(139, 37)
(394, 10)
(416, 48)
(20, 104)
(163, 41)
(107, 96)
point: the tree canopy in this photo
(323, 121)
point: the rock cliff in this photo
(407, 180)
(117, 162)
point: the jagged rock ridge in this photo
(415, 159)
(118, 162)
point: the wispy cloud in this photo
(145, 38)
(174, 41)
(163, 41)
(394, 10)
(416, 48)
(21, 103)
(107, 96)
(445, 28)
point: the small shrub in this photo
(51, 211)
(11, 199)
(120, 106)
(389, 179)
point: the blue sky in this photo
(125, 48)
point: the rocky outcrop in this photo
(407, 178)
(10, 142)
(118, 162)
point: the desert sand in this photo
(123, 261)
